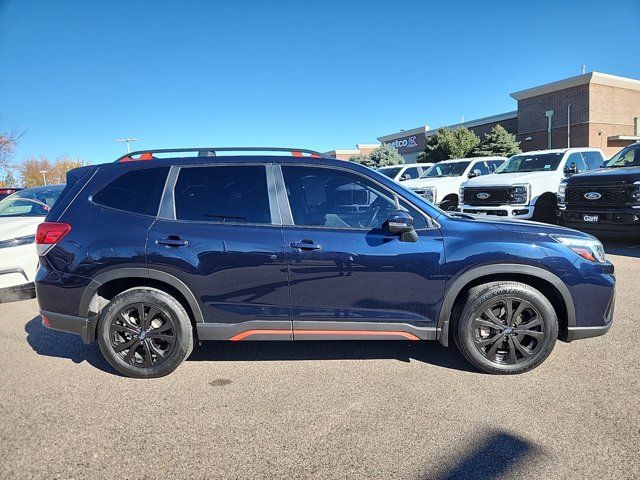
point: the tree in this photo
(30, 170)
(8, 142)
(446, 144)
(382, 156)
(8, 180)
(498, 142)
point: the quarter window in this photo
(233, 194)
(138, 191)
(334, 198)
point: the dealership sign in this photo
(413, 143)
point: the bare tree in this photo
(8, 142)
(30, 170)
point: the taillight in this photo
(50, 233)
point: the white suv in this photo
(408, 171)
(441, 183)
(526, 185)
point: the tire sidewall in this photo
(184, 332)
(465, 335)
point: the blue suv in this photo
(149, 255)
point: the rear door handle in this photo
(172, 241)
(305, 245)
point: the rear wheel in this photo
(506, 328)
(145, 333)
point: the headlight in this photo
(430, 194)
(588, 248)
(519, 195)
(16, 242)
(461, 194)
(562, 188)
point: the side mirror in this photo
(571, 169)
(401, 223)
(474, 173)
(404, 177)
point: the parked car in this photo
(20, 215)
(145, 256)
(441, 183)
(408, 171)
(525, 187)
(607, 200)
(5, 192)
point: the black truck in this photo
(604, 201)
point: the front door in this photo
(225, 242)
(349, 277)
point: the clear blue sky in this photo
(74, 75)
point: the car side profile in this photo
(149, 255)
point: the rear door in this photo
(220, 234)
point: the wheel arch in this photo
(108, 284)
(548, 283)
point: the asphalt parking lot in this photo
(322, 410)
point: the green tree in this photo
(446, 144)
(383, 156)
(9, 180)
(498, 142)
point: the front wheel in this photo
(145, 333)
(506, 328)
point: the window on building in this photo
(230, 194)
(138, 191)
(334, 198)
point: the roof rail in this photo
(211, 152)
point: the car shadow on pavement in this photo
(52, 343)
(430, 352)
(494, 455)
(623, 248)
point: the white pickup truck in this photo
(440, 184)
(525, 186)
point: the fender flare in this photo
(143, 273)
(506, 268)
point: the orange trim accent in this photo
(373, 333)
(296, 154)
(248, 333)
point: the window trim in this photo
(287, 216)
(168, 201)
(113, 179)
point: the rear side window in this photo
(138, 191)
(234, 194)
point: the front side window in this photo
(446, 169)
(411, 173)
(578, 160)
(230, 194)
(594, 160)
(138, 191)
(390, 172)
(537, 162)
(482, 167)
(333, 198)
(627, 157)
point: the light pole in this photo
(44, 175)
(127, 140)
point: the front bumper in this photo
(619, 220)
(524, 212)
(85, 327)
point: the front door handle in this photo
(172, 241)
(305, 245)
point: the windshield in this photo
(32, 202)
(446, 169)
(390, 172)
(627, 157)
(537, 162)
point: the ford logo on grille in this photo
(592, 195)
(483, 195)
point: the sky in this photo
(76, 75)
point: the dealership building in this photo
(589, 110)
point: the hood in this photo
(528, 227)
(609, 176)
(431, 182)
(511, 178)
(14, 227)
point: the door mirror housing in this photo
(401, 223)
(571, 170)
(474, 173)
(404, 177)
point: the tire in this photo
(545, 211)
(160, 344)
(449, 205)
(488, 345)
